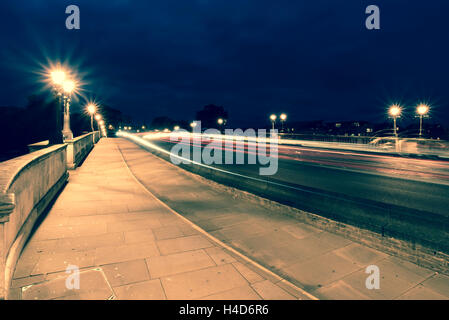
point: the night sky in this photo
(312, 59)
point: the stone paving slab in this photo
(93, 281)
(127, 245)
(203, 282)
(179, 263)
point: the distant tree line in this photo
(208, 116)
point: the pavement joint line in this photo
(249, 285)
(160, 282)
(113, 295)
(347, 275)
(220, 243)
(361, 268)
(416, 285)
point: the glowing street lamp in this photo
(395, 112)
(283, 117)
(221, 122)
(68, 86)
(91, 109)
(98, 117)
(176, 128)
(193, 124)
(101, 126)
(57, 77)
(273, 119)
(422, 111)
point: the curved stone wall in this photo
(27, 185)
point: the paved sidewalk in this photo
(128, 245)
(324, 264)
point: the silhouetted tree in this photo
(161, 123)
(114, 117)
(164, 122)
(210, 114)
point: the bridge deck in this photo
(130, 245)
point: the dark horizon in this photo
(311, 60)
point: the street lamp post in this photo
(91, 108)
(101, 122)
(273, 120)
(422, 111)
(283, 118)
(101, 125)
(57, 78)
(221, 122)
(98, 118)
(395, 112)
(68, 87)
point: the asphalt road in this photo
(418, 184)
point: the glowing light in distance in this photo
(395, 111)
(57, 77)
(422, 109)
(68, 86)
(91, 108)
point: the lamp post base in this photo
(67, 135)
